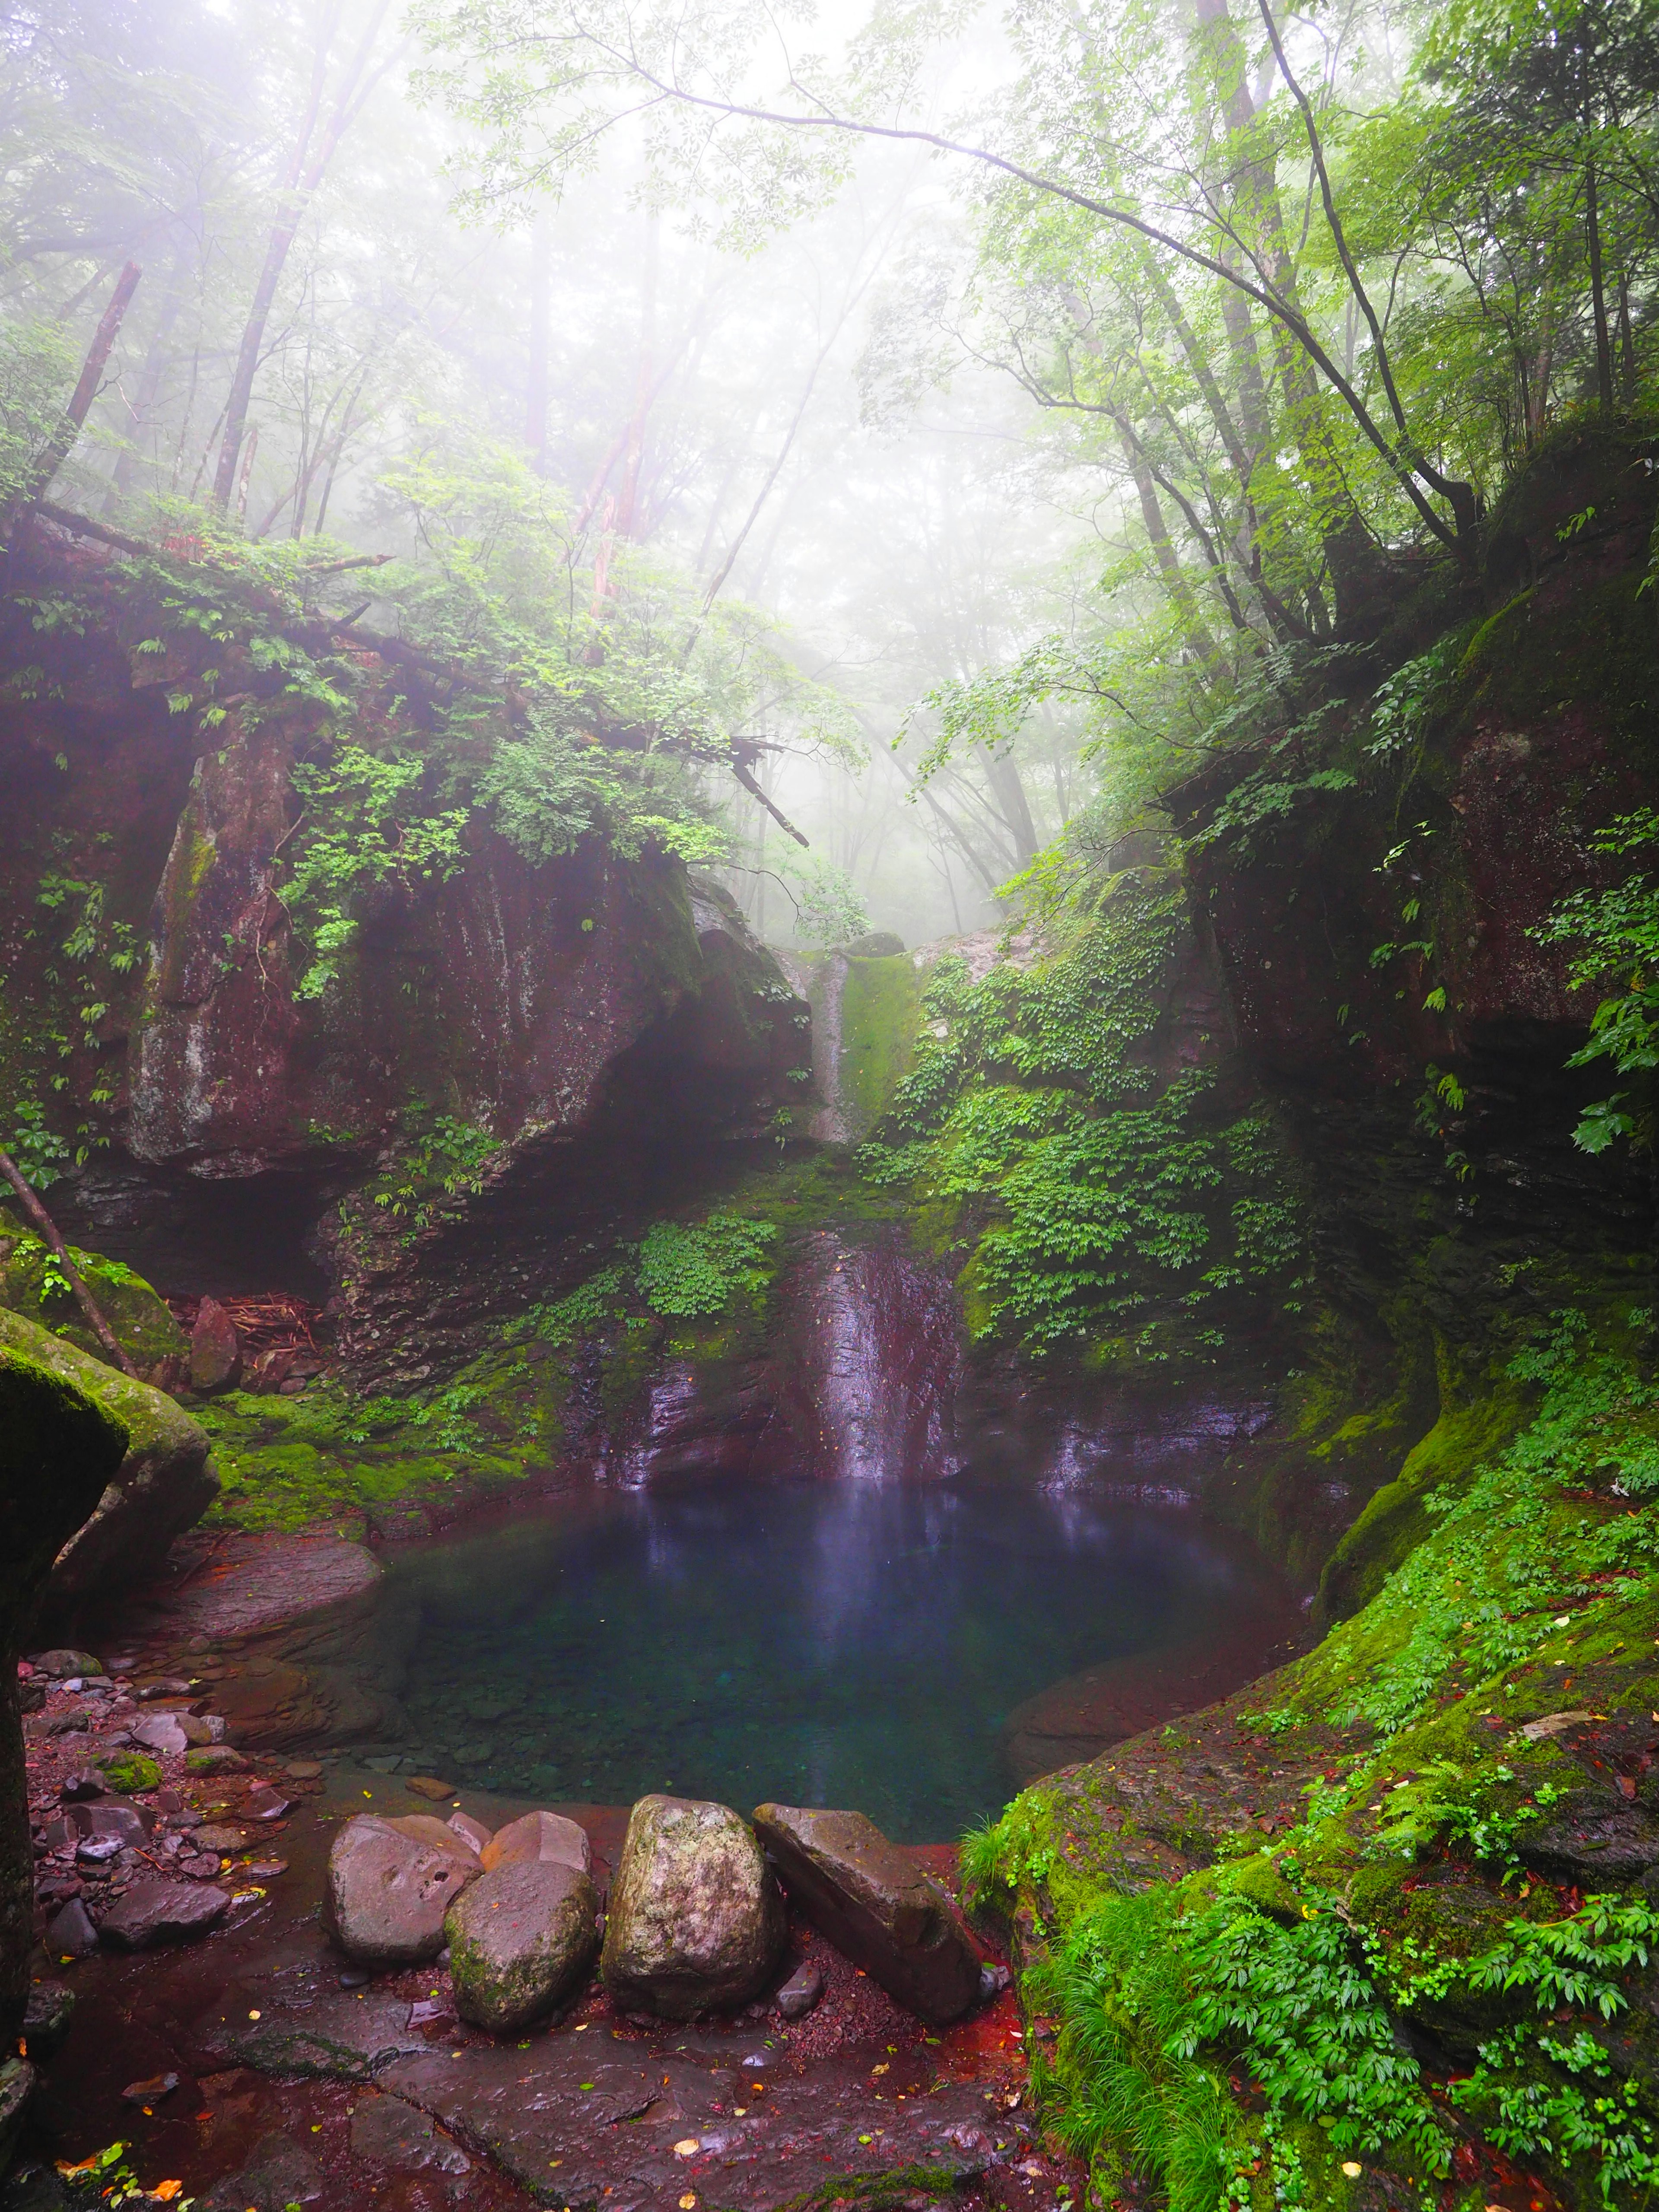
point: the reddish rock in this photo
(547, 1838)
(157, 1912)
(875, 1905)
(216, 1351)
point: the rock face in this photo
(388, 1893)
(695, 1918)
(546, 1837)
(519, 1938)
(59, 1449)
(163, 1485)
(875, 1904)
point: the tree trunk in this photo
(541, 271)
(306, 173)
(1598, 287)
(86, 390)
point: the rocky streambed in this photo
(276, 1981)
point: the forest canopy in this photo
(873, 448)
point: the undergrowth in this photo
(1095, 1198)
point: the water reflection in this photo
(841, 1643)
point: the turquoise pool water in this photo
(827, 1642)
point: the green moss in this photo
(880, 1009)
(31, 1284)
(129, 1771)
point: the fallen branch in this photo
(48, 1230)
(782, 820)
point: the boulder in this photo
(875, 1904)
(216, 1351)
(695, 1920)
(544, 1837)
(157, 1912)
(162, 1485)
(160, 1732)
(387, 1893)
(469, 1830)
(17, 2081)
(520, 1939)
(59, 1445)
(65, 1661)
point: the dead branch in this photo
(48, 1230)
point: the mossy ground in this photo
(1385, 1780)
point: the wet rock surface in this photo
(375, 2081)
(695, 1920)
(519, 1938)
(875, 1905)
(388, 1893)
(155, 1912)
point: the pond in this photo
(828, 1643)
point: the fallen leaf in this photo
(688, 2147)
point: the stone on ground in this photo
(547, 1837)
(157, 1912)
(430, 1786)
(216, 1351)
(58, 1449)
(520, 1939)
(470, 1831)
(875, 1904)
(800, 1993)
(71, 1933)
(387, 1893)
(696, 1921)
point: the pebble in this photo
(354, 1978)
(303, 1769)
(267, 1869)
(98, 1851)
(152, 2091)
(266, 1805)
(78, 1787)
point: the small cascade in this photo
(873, 1338)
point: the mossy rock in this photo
(141, 1324)
(162, 1486)
(129, 1771)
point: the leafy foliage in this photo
(691, 1268)
(1094, 1194)
(1616, 933)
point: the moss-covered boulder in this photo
(32, 1284)
(161, 1487)
(59, 1448)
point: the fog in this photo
(924, 506)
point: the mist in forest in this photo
(908, 510)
